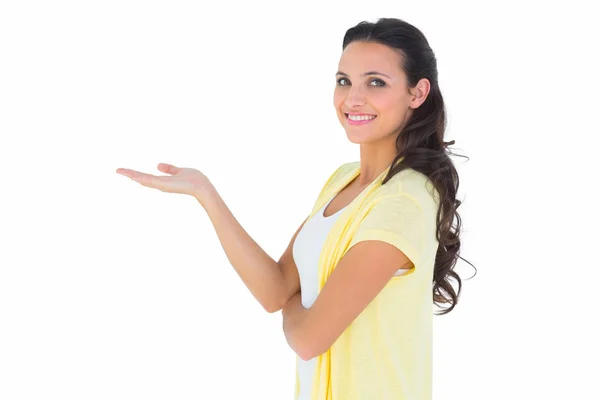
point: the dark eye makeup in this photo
(379, 82)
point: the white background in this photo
(111, 290)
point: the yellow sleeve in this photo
(396, 219)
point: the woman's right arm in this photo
(271, 282)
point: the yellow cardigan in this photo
(386, 352)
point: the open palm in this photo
(181, 180)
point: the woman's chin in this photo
(355, 140)
(358, 139)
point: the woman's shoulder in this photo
(342, 172)
(348, 167)
(411, 183)
(408, 182)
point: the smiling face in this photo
(371, 83)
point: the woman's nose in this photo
(355, 98)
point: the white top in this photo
(306, 251)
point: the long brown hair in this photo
(421, 145)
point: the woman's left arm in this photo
(293, 314)
(357, 279)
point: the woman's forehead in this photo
(360, 57)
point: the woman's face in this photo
(370, 82)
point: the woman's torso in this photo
(306, 251)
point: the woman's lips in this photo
(361, 122)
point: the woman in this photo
(355, 283)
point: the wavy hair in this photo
(421, 144)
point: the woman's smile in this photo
(359, 119)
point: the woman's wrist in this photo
(206, 195)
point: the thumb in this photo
(168, 169)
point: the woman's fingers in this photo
(168, 169)
(129, 173)
(180, 180)
(140, 177)
(125, 172)
(146, 180)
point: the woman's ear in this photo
(420, 93)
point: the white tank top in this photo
(306, 251)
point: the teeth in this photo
(361, 117)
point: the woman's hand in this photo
(181, 180)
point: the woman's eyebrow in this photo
(365, 74)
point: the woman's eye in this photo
(379, 82)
